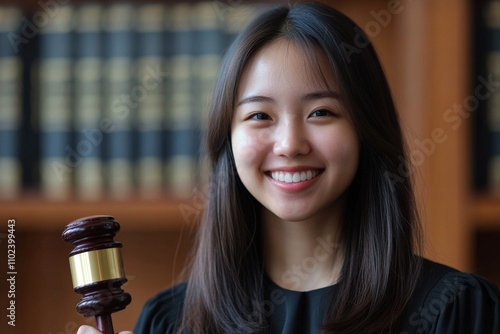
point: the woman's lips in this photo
(294, 177)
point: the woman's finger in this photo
(84, 329)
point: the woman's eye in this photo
(259, 116)
(321, 112)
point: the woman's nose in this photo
(290, 139)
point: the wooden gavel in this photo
(97, 268)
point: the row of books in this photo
(486, 130)
(108, 100)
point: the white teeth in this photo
(294, 177)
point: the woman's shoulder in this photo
(449, 301)
(163, 312)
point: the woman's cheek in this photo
(341, 152)
(248, 146)
(344, 145)
(346, 152)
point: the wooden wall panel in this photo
(436, 69)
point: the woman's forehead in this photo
(284, 57)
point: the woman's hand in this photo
(91, 330)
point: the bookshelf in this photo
(426, 50)
(414, 47)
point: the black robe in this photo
(445, 301)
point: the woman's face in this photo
(295, 149)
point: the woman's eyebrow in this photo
(307, 97)
(255, 98)
(320, 95)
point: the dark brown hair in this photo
(380, 227)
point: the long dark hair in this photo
(380, 226)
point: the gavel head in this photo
(96, 265)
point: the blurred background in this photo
(102, 103)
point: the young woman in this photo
(304, 229)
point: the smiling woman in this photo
(291, 100)
(303, 232)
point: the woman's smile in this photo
(294, 177)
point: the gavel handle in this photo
(104, 324)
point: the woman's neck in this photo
(303, 255)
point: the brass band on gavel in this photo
(96, 266)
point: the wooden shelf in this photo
(32, 214)
(486, 212)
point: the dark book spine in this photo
(87, 73)
(234, 17)
(54, 90)
(180, 114)
(10, 102)
(492, 20)
(120, 99)
(150, 78)
(210, 43)
(481, 137)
